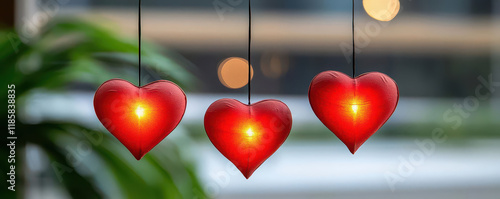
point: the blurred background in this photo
(444, 55)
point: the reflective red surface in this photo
(248, 135)
(353, 109)
(139, 117)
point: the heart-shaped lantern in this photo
(247, 135)
(139, 117)
(353, 109)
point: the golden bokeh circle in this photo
(382, 10)
(233, 72)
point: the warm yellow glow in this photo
(382, 10)
(139, 111)
(354, 108)
(233, 72)
(250, 135)
(249, 132)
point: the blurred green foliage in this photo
(74, 52)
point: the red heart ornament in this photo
(247, 135)
(353, 109)
(139, 117)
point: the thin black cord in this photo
(353, 45)
(140, 32)
(249, 50)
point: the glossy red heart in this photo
(248, 135)
(139, 117)
(353, 109)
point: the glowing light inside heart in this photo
(139, 111)
(250, 133)
(247, 134)
(354, 108)
(139, 117)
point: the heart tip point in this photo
(138, 157)
(247, 176)
(353, 150)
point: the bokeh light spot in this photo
(274, 65)
(233, 72)
(382, 10)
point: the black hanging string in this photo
(249, 50)
(353, 45)
(140, 32)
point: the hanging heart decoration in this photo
(353, 109)
(247, 135)
(139, 117)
